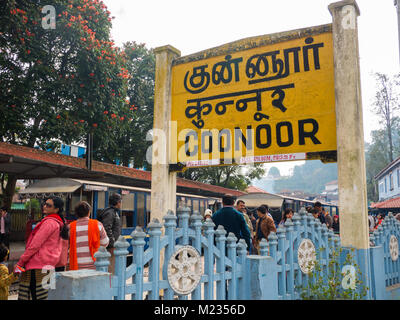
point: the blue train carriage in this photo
(278, 203)
(136, 202)
(136, 207)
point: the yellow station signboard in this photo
(274, 101)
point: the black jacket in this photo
(112, 224)
(232, 221)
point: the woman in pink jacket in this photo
(43, 251)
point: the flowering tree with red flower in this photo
(129, 142)
(56, 83)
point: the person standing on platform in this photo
(288, 214)
(43, 251)
(232, 220)
(241, 207)
(265, 225)
(86, 236)
(207, 214)
(328, 218)
(335, 224)
(6, 279)
(318, 207)
(371, 222)
(380, 220)
(5, 227)
(112, 224)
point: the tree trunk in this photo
(9, 191)
(389, 129)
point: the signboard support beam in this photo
(163, 182)
(353, 208)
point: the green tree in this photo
(274, 172)
(386, 104)
(233, 177)
(59, 84)
(128, 142)
(310, 177)
(377, 156)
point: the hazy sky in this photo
(192, 26)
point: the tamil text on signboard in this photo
(271, 102)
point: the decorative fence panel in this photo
(218, 273)
(387, 235)
(295, 246)
(204, 263)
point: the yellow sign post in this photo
(261, 99)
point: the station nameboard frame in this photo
(260, 99)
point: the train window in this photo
(128, 201)
(101, 200)
(202, 206)
(148, 207)
(127, 207)
(75, 200)
(196, 206)
(140, 209)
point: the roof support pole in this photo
(163, 182)
(353, 209)
(349, 126)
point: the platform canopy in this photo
(33, 164)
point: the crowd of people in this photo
(55, 245)
(52, 244)
(253, 226)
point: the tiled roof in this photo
(97, 166)
(387, 204)
(331, 183)
(253, 189)
(390, 166)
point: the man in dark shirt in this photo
(111, 222)
(318, 207)
(232, 220)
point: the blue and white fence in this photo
(201, 262)
(223, 261)
(386, 258)
(293, 248)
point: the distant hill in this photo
(310, 177)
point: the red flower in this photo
(105, 112)
(122, 118)
(81, 121)
(95, 125)
(58, 116)
(82, 85)
(91, 74)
